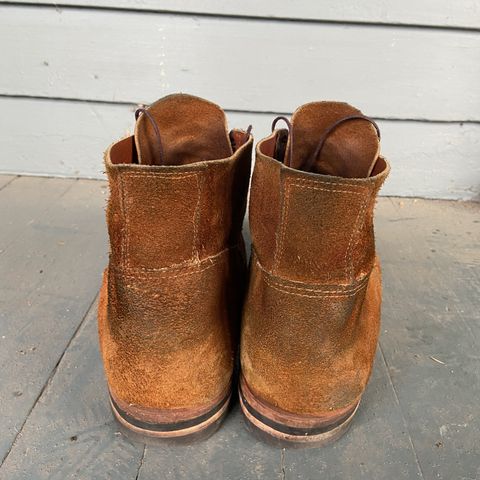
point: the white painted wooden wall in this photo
(71, 74)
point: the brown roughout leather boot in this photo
(168, 314)
(312, 313)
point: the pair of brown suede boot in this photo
(170, 313)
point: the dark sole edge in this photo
(286, 436)
(186, 428)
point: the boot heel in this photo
(285, 429)
(190, 425)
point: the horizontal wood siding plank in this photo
(248, 65)
(437, 160)
(461, 14)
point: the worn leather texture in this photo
(349, 150)
(173, 289)
(312, 313)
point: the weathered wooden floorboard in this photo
(24, 201)
(61, 249)
(431, 327)
(377, 446)
(50, 269)
(231, 453)
(6, 180)
(34, 332)
(71, 432)
(419, 416)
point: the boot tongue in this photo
(350, 150)
(190, 130)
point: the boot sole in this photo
(197, 427)
(271, 424)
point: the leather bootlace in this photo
(310, 162)
(151, 119)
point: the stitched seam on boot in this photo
(362, 183)
(175, 176)
(314, 185)
(324, 189)
(125, 230)
(278, 236)
(283, 227)
(320, 295)
(190, 267)
(355, 232)
(183, 274)
(361, 222)
(319, 291)
(303, 287)
(318, 183)
(196, 221)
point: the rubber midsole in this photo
(292, 430)
(172, 426)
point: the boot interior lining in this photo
(125, 152)
(191, 130)
(275, 146)
(350, 151)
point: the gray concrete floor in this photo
(419, 417)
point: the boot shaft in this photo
(309, 227)
(178, 186)
(161, 216)
(319, 181)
